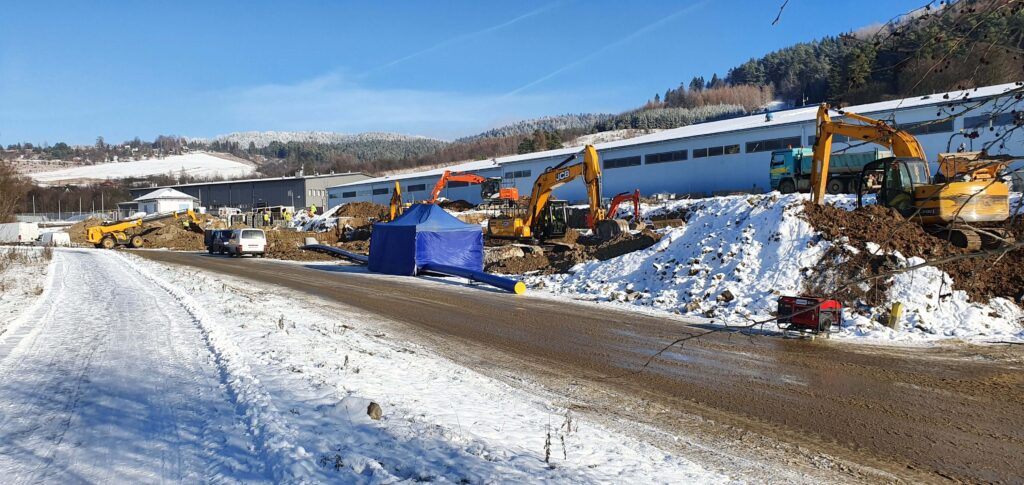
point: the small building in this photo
(251, 194)
(165, 200)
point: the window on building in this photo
(928, 127)
(773, 144)
(835, 139)
(988, 120)
(517, 174)
(622, 162)
(416, 188)
(348, 195)
(716, 151)
(665, 157)
(384, 191)
(456, 183)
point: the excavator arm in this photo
(395, 208)
(449, 177)
(901, 143)
(560, 175)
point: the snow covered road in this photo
(109, 380)
(128, 371)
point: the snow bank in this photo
(731, 261)
(737, 254)
(304, 372)
(25, 277)
(199, 165)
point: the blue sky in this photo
(70, 71)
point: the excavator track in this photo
(959, 236)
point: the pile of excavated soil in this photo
(170, 234)
(361, 247)
(286, 244)
(982, 278)
(562, 257)
(366, 210)
(457, 205)
(77, 230)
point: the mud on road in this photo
(821, 410)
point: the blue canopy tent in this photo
(425, 234)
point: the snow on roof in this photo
(164, 193)
(779, 118)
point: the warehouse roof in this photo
(779, 118)
(165, 193)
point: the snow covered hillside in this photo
(200, 165)
(736, 255)
(263, 138)
(255, 384)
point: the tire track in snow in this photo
(285, 460)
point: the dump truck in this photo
(791, 169)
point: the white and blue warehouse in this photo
(728, 155)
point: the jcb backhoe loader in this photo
(545, 218)
(111, 234)
(904, 182)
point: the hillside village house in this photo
(165, 200)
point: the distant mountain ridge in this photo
(263, 139)
(577, 121)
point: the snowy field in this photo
(23, 273)
(737, 254)
(200, 165)
(205, 378)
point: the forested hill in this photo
(940, 47)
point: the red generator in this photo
(808, 313)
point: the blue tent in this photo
(425, 233)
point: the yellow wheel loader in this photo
(121, 233)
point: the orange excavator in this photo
(613, 209)
(490, 187)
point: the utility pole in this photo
(33, 204)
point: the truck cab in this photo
(790, 169)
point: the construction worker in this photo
(312, 210)
(288, 217)
(266, 218)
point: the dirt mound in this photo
(457, 205)
(77, 230)
(286, 244)
(365, 210)
(560, 258)
(361, 247)
(982, 278)
(171, 234)
(625, 243)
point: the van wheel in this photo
(787, 187)
(835, 186)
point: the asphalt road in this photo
(934, 414)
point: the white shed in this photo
(165, 200)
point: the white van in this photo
(57, 238)
(246, 241)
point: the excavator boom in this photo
(901, 143)
(560, 175)
(450, 177)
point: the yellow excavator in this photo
(545, 218)
(396, 207)
(964, 194)
(120, 233)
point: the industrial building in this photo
(721, 156)
(297, 191)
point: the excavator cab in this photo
(895, 179)
(554, 221)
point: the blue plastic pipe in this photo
(341, 253)
(507, 284)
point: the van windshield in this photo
(252, 234)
